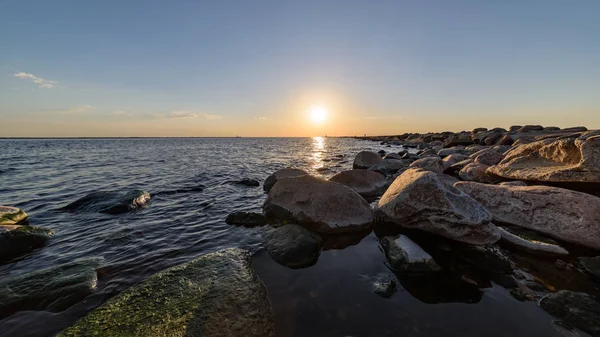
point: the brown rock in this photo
(280, 174)
(433, 164)
(475, 172)
(487, 157)
(364, 182)
(366, 159)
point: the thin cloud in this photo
(78, 109)
(41, 82)
(189, 114)
(261, 118)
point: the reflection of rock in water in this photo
(110, 202)
(440, 288)
(343, 241)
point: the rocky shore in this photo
(461, 209)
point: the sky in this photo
(72, 68)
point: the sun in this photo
(318, 114)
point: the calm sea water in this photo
(332, 298)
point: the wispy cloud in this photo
(41, 82)
(261, 118)
(78, 109)
(190, 114)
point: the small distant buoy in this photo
(11, 216)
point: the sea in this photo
(192, 183)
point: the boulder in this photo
(110, 202)
(528, 128)
(551, 128)
(427, 201)
(53, 289)
(477, 130)
(248, 182)
(293, 246)
(246, 219)
(365, 182)
(217, 294)
(514, 183)
(579, 310)
(453, 159)
(505, 140)
(11, 216)
(591, 265)
(388, 166)
(366, 159)
(493, 138)
(475, 172)
(428, 153)
(463, 138)
(406, 256)
(531, 245)
(515, 128)
(487, 157)
(446, 152)
(558, 213)
(319, 205)
(392, 156)
(564, 160)
(16, 240)
(455, 169)
(433, 164)
(384, 286)
(575, 129)
(281, 174)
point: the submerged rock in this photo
(53, 289)
(281, 174)
(246, 219)
(11, 216)
(319, 205)
(384, 286)
(366, 183)
(19, 240)
(366, 159)
(531, 246)
(591, 265)
(559, 213)
(217, 294)
(427, 201)
(293, 246)
(248, 182)
(110, 202)
(567, 160)
(406, 256)
(576, 309)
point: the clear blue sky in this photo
(217, 68)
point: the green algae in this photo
(13, 218)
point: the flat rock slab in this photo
(556, 212)
(217, 294)
(11, 216)
(531, 246)
(579, 310)
(52, 289)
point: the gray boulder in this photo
(217, 294)
(388, 166)
(475, 172)
(293, 246)
(319, 205)
(366, 159)
(453, 159)
(365, 182)
(427, 201)
(53, 289)
(281, 174)
(579, 310)
(406, 256)
(433, 164)
(559, 213)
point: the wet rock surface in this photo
(406, 256)
(319, 205)
(110, 202)
(293, 246)
(17, 240)
(216, 294)
(246, 219)
(576, 309)
(52, 289)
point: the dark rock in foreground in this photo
(591, 265)
(281, 174)
(319, 205)
(53, 289)
(19, 240)
(246, 219)
(217, 294)
(576, 309)
(110, 202)
(293, 246)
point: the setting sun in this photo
(318, 114)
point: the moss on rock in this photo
(11, 216)
(217, 294)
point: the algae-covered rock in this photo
(111, 202)
(17, 240)
(52, 289)
(217, 294)
(11, 215)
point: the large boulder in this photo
(281, 174)
(16, 240)
(554, 160)
(427, 201)
(579, 310)
(446, 152)
(487, 157)
(463, 138)
(453, 159)
(110, 202)
(405, 255)
(366, 159)
(53, 289)
(475, 172)
(217, 294)
(293, 246)
(11, 216)
(558, 213)
(388, 166)
(365, 182)
(320, 205)
(433, 164)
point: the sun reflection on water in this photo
(318, 152)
